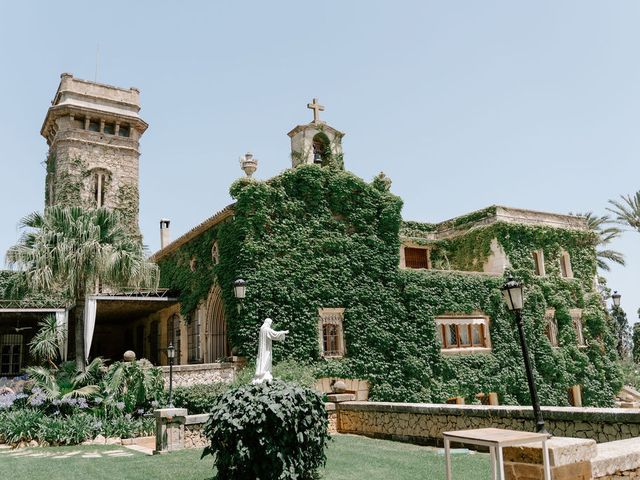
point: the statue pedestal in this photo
(169, 429)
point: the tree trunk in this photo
(79, 334)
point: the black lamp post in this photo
(616, 298)
(512, 292)
(171, 354)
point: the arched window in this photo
(321, 149)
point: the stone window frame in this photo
(215, 253)
(331, 317)
(460, 321)
(576, 318)
(538, 263)
(565, 265)
(405, 245)
(551, 327)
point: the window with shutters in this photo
(414, 257)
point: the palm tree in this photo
(606, 231)
(627, 210)
(71, 250)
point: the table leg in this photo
(500, 464)
(492, 459)
(447, 459)
(545, 461)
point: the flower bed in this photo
(61, 407)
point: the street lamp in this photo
(239, 290)
(512, 292)
(616, 298)
(171, 354)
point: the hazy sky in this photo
(464, 104)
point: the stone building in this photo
(413, 307)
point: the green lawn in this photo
(349, 458)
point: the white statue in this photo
(263, 362)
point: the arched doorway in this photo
(216, 343)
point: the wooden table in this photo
(495, 439)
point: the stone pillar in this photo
(570, 459)
(169, 429)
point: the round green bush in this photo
(271, 431)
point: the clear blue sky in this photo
(463, 104)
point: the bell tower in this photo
(93, 132)
(316, 142)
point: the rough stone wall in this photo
(193, 436)
(424, 423)
(187, 375)
(76, 158)
(624, 475)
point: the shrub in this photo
(199, 398)
(273, 430)
(133, 385)
(20, 425)
(126, 426)
(71, 430)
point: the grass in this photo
(348, 458)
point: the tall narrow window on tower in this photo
(99, 188)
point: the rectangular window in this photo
(94, 125)
(416, 257)
(330, 330)
(10, 354)
(463, 332)
(124, 131)
(109, 128)
(193, 338)
(175, 336)
(538, 262)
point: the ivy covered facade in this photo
(317, 238)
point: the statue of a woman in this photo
(263, 362)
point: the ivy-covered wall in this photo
(318, 237)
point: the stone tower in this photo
(316, 142)
(93, 133)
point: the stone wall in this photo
(424, 423)
(187, 375)
(193, 436)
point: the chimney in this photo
(164, 233)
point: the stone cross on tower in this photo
(317, 108)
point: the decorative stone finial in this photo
(129, 356)
(317, 108)
(248, 164)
